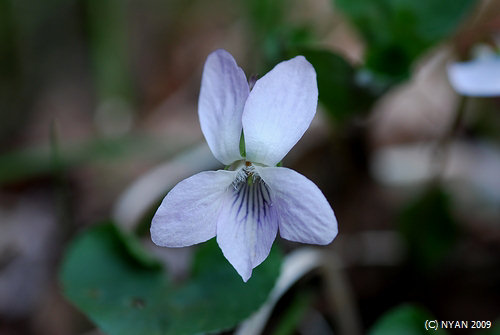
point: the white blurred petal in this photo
(479, 78)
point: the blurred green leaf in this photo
(38, 161)
(265, 19)
(405, 319)
(494, 330)
(265, 15)
(273, 34)
(429, 228)
(27, 163)
(133, 248)
(121, 295)
(398, 31)
(338, 90)
(294, 314)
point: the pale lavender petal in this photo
(304, 213)
(247, 227)
(279, 110)
(477, 78)
(188, 214)
(224, 90)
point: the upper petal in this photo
(246, 227)
(479, 78)
(224, 90)
(304, 213)
(279, 109)
(188, 214)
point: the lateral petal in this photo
(477, 78)
(246, 227)
(224, 90)
(304, 213)
(279, 109)
(188, 214)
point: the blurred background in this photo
(98, 103)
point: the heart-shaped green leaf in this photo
(124, 293)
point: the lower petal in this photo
(247, 226)
(304, 213)
(188, 214)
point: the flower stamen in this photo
(245, 174)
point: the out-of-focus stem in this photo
(340, 297)
(60, 183)
(443, 146)
(297, 265)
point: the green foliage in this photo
(429, 228)
(273, 33)
(107, 23)
(265, 15)
(119, 287)
(494, 330)
(405, 319)
(39, 161)
(294, 314)
(338, 90)
(398, 31)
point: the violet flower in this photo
(246, 204)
